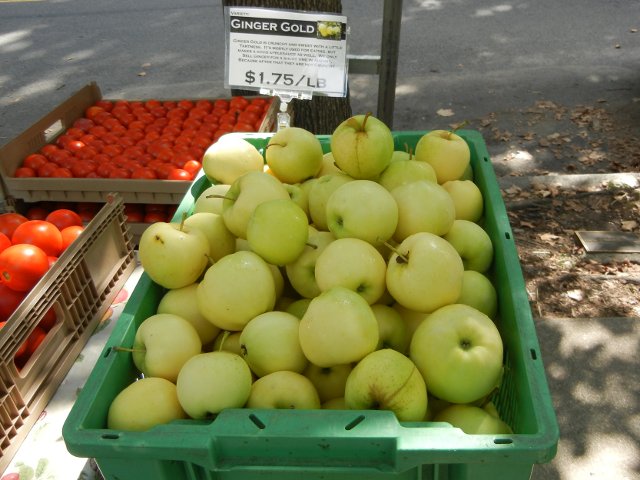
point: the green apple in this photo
(472, 243)
(478, 292)
(473, 420)
(362, 146)
(245, 194)
(278, 280)
(319, 193)
(227, 341)
(294, 154)
(458, 350)
(354, 264)
(467, 197)
(235, 289)
(401, 156)
(210, 382)
(229, 158)
(338, 328)
(144, 404)
(210, 200)
(278, 231)
(284, 389)
(183, 302)
(172, 254)
(387, 380)
(301, 272)
(270, 342)
(362, 209)
(163, 343)
(447, 152)
(328, 165)
(329, 381)
(411, 318)
(400, 172)
(423, 206)
(299, 195)
(425, 273)
(298, 307)
(394, 332)
(221, 241)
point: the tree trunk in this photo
(320, 115)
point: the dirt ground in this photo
(562, 278)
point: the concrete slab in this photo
(593, 370)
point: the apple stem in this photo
(184, 217)
(457, 127)
(132, 350)
(364, 122)
(216, 195)
(402, 258)
(311, 245)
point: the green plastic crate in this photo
(243, 444)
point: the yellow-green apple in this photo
(468, 173)
(329, 381)
(447, 152)
(245, 194)
(401, 155)
(425, 273)
(400, 172)
(210, 382)
(319, 193)
(183, 302)
(294, 154)
(298, 307)
(210, 200)
(472, 243)
(362, 146)
(328, 165)
(467, 197)
(278, 280)
(278, 231)
(301, 272)
(478, 292)
(394, 332)
(338, 328)
(284, 389)
(354, 264)
(458, 350)
(227, 341)
(299, 195)
(410, 317)
(163, 343)
(423, 206)
(144, 404)
(387, 380)
(362, 209)
(270, 342)
(473, 420)
(172, 254)
(229, 158)
(335, 404)
(235, 289)
(221, 241)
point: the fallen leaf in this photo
(577, 295)
(146, 65)
(445, 112)
(142, 74)
(629, 225)
(548, 237)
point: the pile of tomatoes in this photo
(147, 140)
(28, 249)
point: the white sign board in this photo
(286, 51)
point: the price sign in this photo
(286, 51)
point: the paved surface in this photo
(480, 60)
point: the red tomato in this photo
(244, 127)
(92, 112)
(10, 221)
(24, 172)
(69, 235)
(41, 234)
(192, 166)
(185, 104)
(34, 161)
(52, 260)
(63, 218)
(221, 104)
(9, 301)
(37, 213)
(153, 217)
(48, 320)
(47, 169)
(83, 124)
(22, 265)
(144, 173)
(107, 105)
(31, 344)
(179, 174)
(238, 102)
(4, 241)
(61, 172)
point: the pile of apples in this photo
(353, 279)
